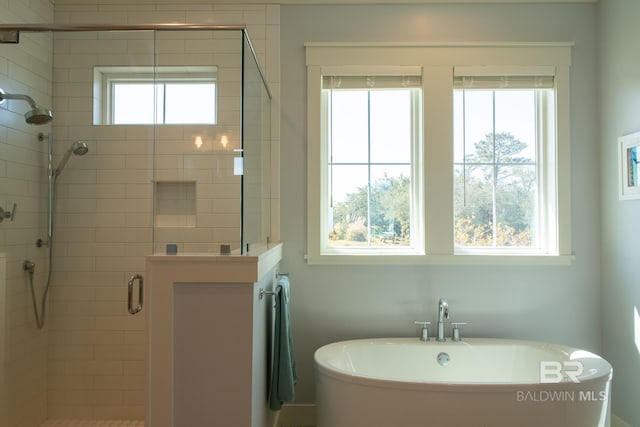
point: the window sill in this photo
(490, 260)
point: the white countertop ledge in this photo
(217, 268)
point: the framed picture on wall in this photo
(628, 159)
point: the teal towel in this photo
(283, 373)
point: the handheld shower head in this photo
(78, 148)
(36, 116)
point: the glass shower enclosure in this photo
(158, 140)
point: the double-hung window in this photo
(504, 132)
(438, 153)
(371, 132)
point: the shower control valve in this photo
(10, 215)
(29, 266)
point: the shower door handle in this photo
(132, 279)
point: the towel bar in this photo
(262, 293)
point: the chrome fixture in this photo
(424, 329)
(443, 314)
(455, 334)
(262, 292)
(30, 268)
(10, 215)
(443, 358)
(78, 148)
(138, 308)
(36, 116)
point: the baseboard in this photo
(618, 422)
(305, 416)
(296, 416)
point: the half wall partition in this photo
(175, 126)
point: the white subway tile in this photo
(130, 234)
(70, 352)
(105, 199)
(215, 17)
(72, 293)
(119, 263)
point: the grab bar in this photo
(138, 308)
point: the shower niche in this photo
(175, 204)
(175, 126)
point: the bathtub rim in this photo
(603, 375)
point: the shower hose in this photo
(30, 267)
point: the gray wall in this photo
(557, 304)
(620, 103)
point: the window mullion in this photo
(369, 168)
(494, 214)
(464, 150)
(330, 146)
(164, 103)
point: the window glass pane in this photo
(516, 207)
(496, 179)
(473, 206)
(133, 103)
(478, 123)
(349, 131)
(391, 120)
(189, 103)
(390, 205)
(370, 135)
(516, 119)
(348, 207)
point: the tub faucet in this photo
(443, 313)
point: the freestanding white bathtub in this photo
(406, 382)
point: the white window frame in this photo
(416, 246)
(545, 147)
(437, 62)
(106, 77)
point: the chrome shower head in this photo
(36, 116)
(78, 148)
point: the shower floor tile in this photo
(92, 423)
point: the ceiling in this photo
(396, 2)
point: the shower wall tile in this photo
(24, 68)
(104, 220)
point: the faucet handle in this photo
(424, 330)
(455, 334)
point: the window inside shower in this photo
(155, 95)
